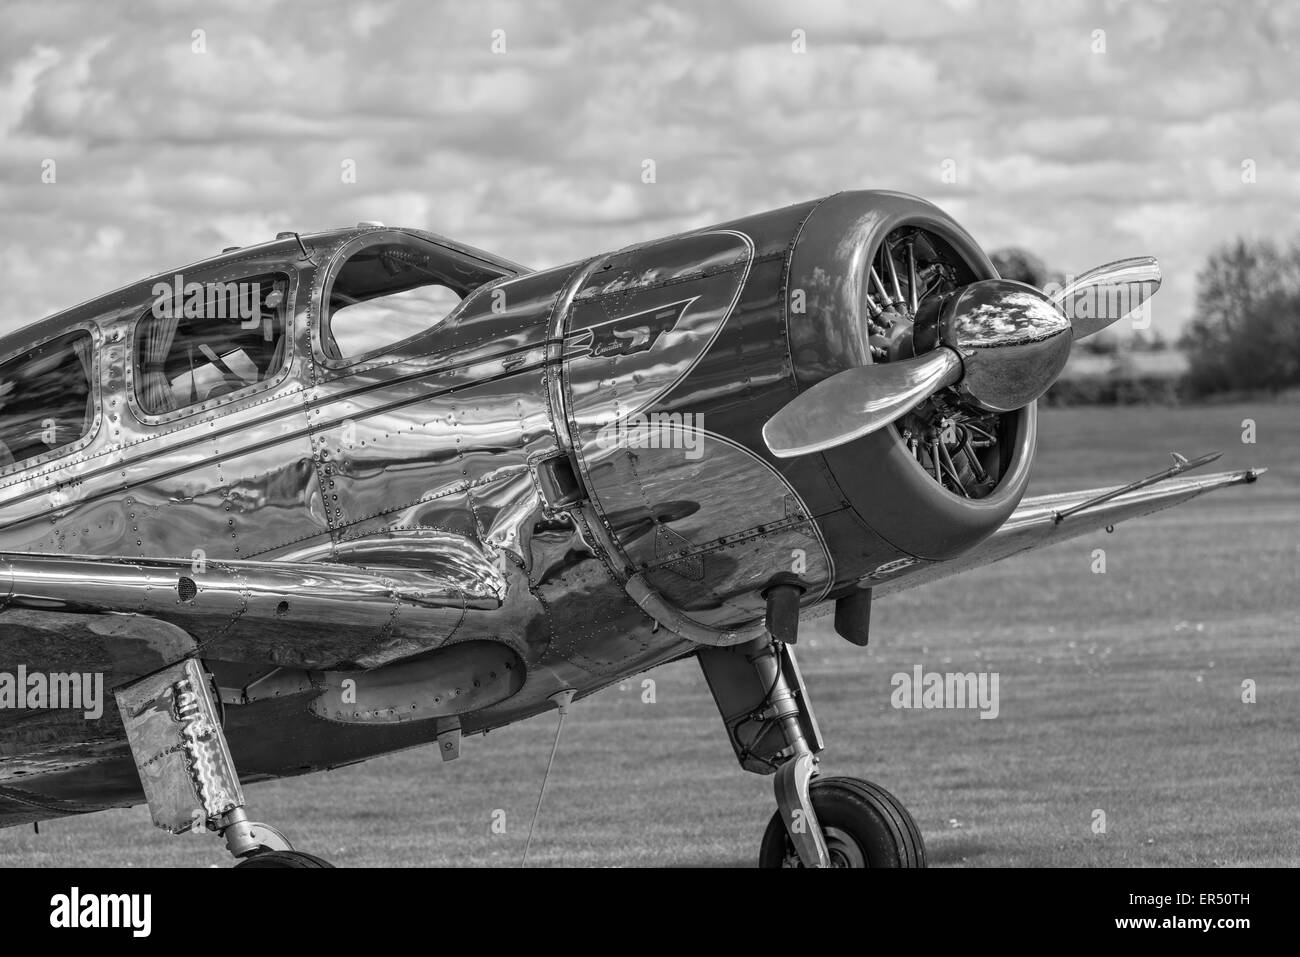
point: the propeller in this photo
(1108, 293)
(999, 344)
(858, 401)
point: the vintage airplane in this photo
(331, 496)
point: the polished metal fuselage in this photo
(429, 460)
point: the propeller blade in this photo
(858, 401)
(1108, 293)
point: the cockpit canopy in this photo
(390, 286)
(224, 328)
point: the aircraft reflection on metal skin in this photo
(331, 496)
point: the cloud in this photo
(171, 143)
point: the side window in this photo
(46, 399)
(391, 290)
(200, 341)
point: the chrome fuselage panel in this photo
(429, 457)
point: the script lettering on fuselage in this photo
(628, 335)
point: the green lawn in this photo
(1119, 692)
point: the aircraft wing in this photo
(1048, 519)
(88, 625)
(239, 610)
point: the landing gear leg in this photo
(173, 723)
(794, 776)
(820, 821)
(260, 845)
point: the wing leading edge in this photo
(1048, 519)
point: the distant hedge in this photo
(1117, 390)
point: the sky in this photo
(1081, 131)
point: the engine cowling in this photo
(710, 334)
(943, 478)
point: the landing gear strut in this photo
(260, 845)
(820, 821)
(174, 725)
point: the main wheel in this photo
(283, 859)
(864, 826)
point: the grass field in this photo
(1120, 692)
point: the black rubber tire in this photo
(885, 834)
(283, 859)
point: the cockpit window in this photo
(46, 399)
(370, 324)
(200, 341)
(390, 288)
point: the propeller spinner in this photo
(999, 344)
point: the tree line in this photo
(1245, 334)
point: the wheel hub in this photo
(844, 850)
